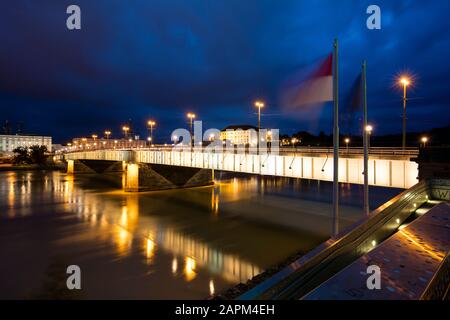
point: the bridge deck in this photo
(386, 168)
(408, 261)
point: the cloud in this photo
(139, 58)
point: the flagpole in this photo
(365, 142)
(336, 141)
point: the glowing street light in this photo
(369, 130)
(405, 82)
(424, 141)
(347, 141)
(125, 130)
(259, 105)
(107, 134)
(94, 136)
(191, 117)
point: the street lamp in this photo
(259, 105)
(424, 141)
(347, 141)
(94, 136)
(107, 134)
(405, 82)
(151, 124)
(369, 130)
(125, 130)
(191, 117)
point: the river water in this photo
(177, 244)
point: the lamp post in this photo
(125, 130)
(405, 82)
(151, 124)
(259, 105)
(347, 141)
(107, 134)
(294, 141)
(424, 141)
(369, 130)
(191, 117)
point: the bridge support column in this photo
(70, 164)
(78, 166)
(146, 177)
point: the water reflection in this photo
(191, 243)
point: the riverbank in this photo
(239, 289)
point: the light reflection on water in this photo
(172, 244)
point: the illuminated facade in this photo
(9, 142)
(240, 135)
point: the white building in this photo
(9, 142)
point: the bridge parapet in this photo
(108, 155)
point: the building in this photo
(240, 135)
(9, 142)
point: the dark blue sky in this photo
(139, 59)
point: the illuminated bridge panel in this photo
(386, 172)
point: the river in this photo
(176, 244)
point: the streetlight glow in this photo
(191, 117)
(424, 141)
(369, 129)
(151, 124)
(405, 81)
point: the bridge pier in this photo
(146, 177)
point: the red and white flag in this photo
(316, 88)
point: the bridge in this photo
(388, 167)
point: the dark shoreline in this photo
(239, 289)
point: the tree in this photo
(38, 154)
(21, 156)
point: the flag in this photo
(316, 88)
(354, 101)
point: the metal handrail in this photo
(282, 150)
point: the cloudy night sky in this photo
(141, 59)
